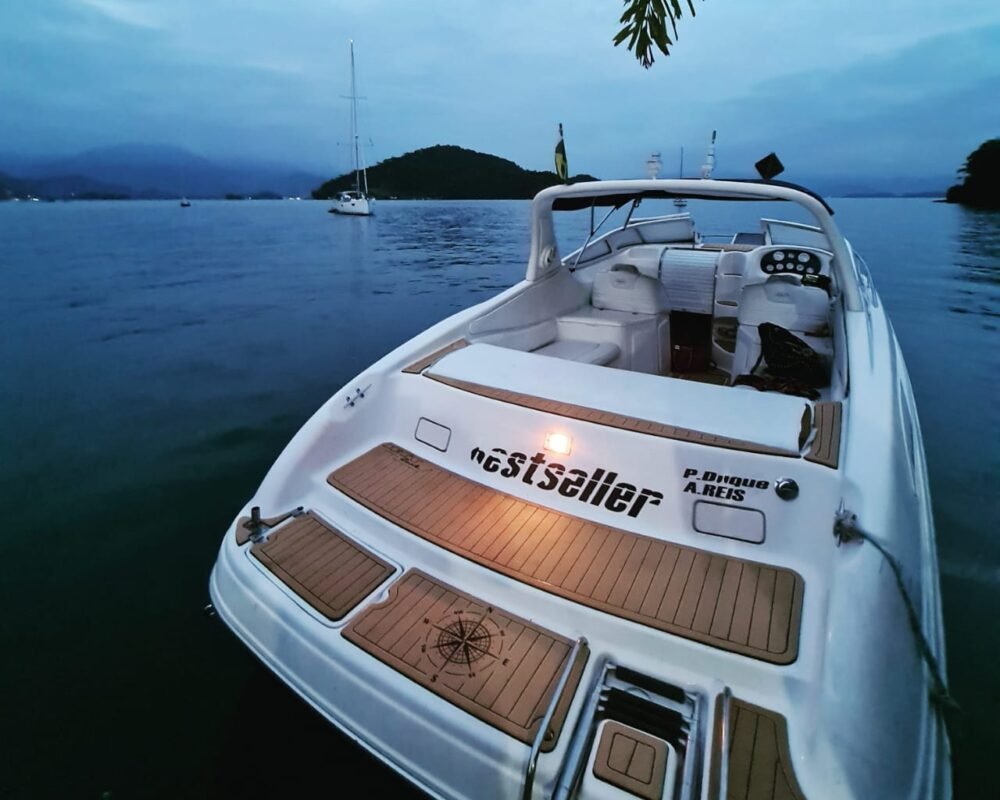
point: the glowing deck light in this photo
(560, 443)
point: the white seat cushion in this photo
(584, 352)
(786, 303)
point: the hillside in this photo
(447, 172)
(981, 185)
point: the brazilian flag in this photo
(562, 166)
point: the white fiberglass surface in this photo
(769, 419)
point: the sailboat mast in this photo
(354, 124)
(680, 169)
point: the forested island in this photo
(981, 185)
(447, 172)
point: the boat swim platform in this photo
(330, 572)
(759, 761)
(492, 664)
(826, 417)
(729, 603)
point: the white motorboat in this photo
(631, 528)
(355, 202)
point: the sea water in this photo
(154, 362)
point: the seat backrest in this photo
(729, 282)
(623, 288)
(784, 301)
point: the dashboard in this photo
(790, 261)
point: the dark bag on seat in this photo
(785, 355)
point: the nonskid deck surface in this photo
(496, 666)
(729, 603)
(760, 765)
(825, 448)
(322, 566)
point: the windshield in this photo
(714, 221)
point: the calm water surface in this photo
(155, 360)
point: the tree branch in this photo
(644, 24)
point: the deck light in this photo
(560, 443)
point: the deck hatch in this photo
(732, 522)
(433, 434)
(321, 565)
(736, 605)
(492, 664)
(631, 760)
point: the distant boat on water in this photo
(356, 202)
(185, 203)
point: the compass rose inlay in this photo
(463, 641)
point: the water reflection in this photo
(978, 263)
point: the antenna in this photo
(709, 165)
(653, 166)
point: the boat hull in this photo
(363, 207)
(648, 586)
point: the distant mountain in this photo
(155, 171)
(11, 187)
(447, 172)
(60, 186)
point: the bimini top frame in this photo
(544, 256)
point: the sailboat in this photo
(355, 202)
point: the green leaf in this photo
(644, 24)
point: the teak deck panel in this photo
(322, 566)
(736, 605)
(825, 448)
(612, 420)
(419, 366)
(760, 765)
(498, 667)
(631, 760)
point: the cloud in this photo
(263, 79)
(123, 12)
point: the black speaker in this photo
(769, 166)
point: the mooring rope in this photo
(846, 530)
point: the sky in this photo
(888, 88)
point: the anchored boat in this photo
(355, 202)
(631, 528)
